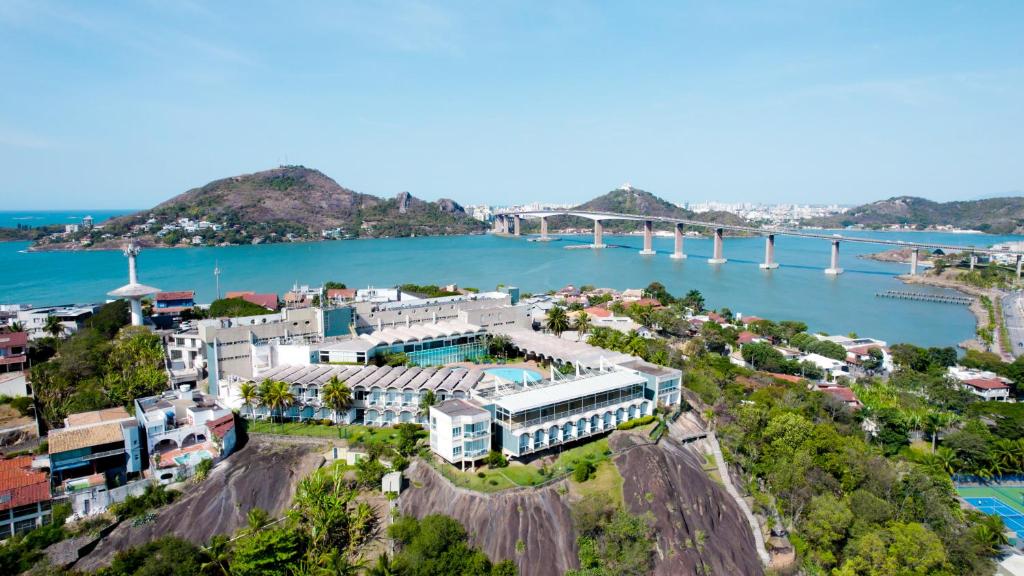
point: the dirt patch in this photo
(539, 518)
(263, 474)
(699, 528)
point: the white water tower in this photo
(133, 291)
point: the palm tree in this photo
(557, 320)
(336, 563)
(218, 557)
(694, 299)
(991, 534)
(256, 519)
(383, 567)
(635, 345)
(498, 343)
(582, 324)
(1005, 454)
(277, 396)
(250, 395)
(933, 423)
(427, 400)
(54, 327)
(337, 396)
(17, 326)
(946, 459)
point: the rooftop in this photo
(97, 417)
(986, 383)
(179, 295)
(67, 439)
(648, 368)
(20, 484)
(366, 377)
(459, 407)
(568, 351)
(537, 396)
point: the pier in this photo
(926, 297)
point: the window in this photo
(457, 451)
(456, 432)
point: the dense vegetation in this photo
(107, 363)
(234, 307)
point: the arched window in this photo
(538, 438)
(524, 443)
(553, 435)
(581, 426)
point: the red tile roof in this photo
(986, 383)
(341, 293)
(598, 312)
(170, 310)
(746, 337)
(179, 295)
(844, 394)
(9, 339)
(652, 302)
(268, 301)
(221, 426)
(787, 377)
(749, 319)
(238, 293)
(20, 484)
(863, 350)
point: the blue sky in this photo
(111, 104)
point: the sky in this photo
(125, 104)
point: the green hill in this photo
(993, 215)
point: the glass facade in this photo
(449, 354)
(569, 407)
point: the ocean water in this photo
(798, 290)
(10, 219)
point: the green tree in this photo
(276, 396)
(557, 320)
(54, 327)
(694, 300)
(249, 394)
(582, 324)
(337, 396)
(268, 552)
(824, 527)
(901, 549)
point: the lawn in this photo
(353, 434)
(596, 451)
(606, 481)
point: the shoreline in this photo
(976, 308)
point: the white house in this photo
(983, 384)
(460, 431)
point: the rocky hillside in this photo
(994, 215)
(283, 204)
(628, 200)
(699, 528)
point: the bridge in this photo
(509, 222)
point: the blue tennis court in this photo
(1013, 519)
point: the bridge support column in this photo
(544, 228)
(598, 234)
(974, 261)
(1018, 266)
(769, 253)
(718, 257)
(915, 254)
(648, 238)
(678, 252)
(515, 223)
(502, 224)
(834, 269)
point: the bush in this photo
(630, 424)
(23, 404)
(496, 459)
(481, 475)
(584, 471)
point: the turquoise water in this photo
(193, 458)
(11, 218)
(517, 375)
(797, 290)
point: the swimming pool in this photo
(193, 458)
(517, 375)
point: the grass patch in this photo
(596, 451)
(606, 481)
(352, 434)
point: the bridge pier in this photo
(544, 228)
(974, 261)
(598, 234)
(1018, 266)
(718, 257)
(769, 253)
(834, 269)
(516, 221)
(914, 255)
(648, 238)
(678, 252)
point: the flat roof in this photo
(366, 377)
(648, 368)
(569, 351)
(545, 395)
(459, 407)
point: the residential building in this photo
(268, 301)
(460, 431)
(844, 395)
(186, 363)
(14, 384)
(182, 428)
(72, 318)
(983, 384)
(25, 502)
(486, 309)
(829, 366)
(338, 296)
(173, 303)
(13, 350)
(105, 442)
(662, 382)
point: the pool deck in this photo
(528, 365)
(167, 458)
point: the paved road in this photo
(1013, 315)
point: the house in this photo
(844, 395)
(598, 312)
(747, 320)
(184, 427)
(341, 295)
(982, 383)
(25, 502)
(746, 337)
(13, 350)
(105, 442)
(72, 318)
(830, 366)
(173, 303)
(632, 295)
(648, 302)
(268, 301)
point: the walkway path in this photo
(723, 471)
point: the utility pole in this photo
(216, 275)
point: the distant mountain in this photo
(994, 215)
(283, 204)
(628, 200)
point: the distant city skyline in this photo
(127, 105)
